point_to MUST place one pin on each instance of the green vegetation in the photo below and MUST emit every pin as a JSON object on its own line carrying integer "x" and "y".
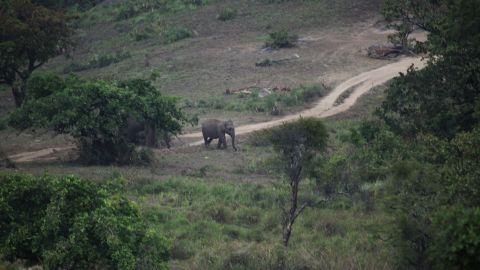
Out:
{"x": 297, "y": 145}
{"x": 281, "y": 39}
{"x": 273, "y": 103}
{"x": 417, "y": 158}
{"x": 96, "y": 114}
{"x": 175, "y": 34}
{"x": 24, "y": 45}
{"x": 131, "y": 8}
{"x": 74, "y": 223}
{"x": 344, "y": 96}
{"x": 218, "y": 224}
{"x": 59, "y": 5}
{"x": 97, "y": 61}
{"x": 226, "y": 14}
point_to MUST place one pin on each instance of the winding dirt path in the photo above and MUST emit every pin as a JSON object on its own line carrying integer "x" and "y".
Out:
{"x": 325, "y": 107}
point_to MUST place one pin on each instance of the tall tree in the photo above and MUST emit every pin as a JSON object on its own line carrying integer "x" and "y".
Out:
{"x": 29, "y": 35}
{"x": 442, "y": 98}
{"x": 296, "y": 144}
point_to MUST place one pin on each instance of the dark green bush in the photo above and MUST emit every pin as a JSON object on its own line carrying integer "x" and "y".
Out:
{"x": 281, "y": 39}
{"x": 175, "y": 34}
{"x": 44, "y": 85}
{"x": 456, "y": 239}
{"x": 226, "y": 14}
{"x": 71, "y": 223}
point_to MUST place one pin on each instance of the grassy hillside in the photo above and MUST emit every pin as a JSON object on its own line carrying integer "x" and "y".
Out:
{"x": 221, "y": 209}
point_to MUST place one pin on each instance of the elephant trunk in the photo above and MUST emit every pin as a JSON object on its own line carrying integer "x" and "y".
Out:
{"x": 233, "y": 140}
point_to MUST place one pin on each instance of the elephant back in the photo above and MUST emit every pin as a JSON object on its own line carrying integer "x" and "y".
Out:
{"x": 211, "y": 127}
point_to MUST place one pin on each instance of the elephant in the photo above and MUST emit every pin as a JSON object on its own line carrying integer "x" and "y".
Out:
{"x": 216, "y": 129}
{"x": 140, "y": 133}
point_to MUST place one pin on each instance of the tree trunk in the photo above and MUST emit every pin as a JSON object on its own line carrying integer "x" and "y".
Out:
{"x": 19, "y": 91}
{"x": 292, "y": 213}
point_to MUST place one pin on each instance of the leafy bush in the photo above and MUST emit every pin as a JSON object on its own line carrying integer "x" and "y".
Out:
{"x": 96, "y": 113}
{"x": 65, "y": 223}
{"x": 281, "y": 39}
{"x": 98, "y": 61}
{"x": 456, "y": 239}
{"x": 175, "y": 34}
{"x": 226, "y": 14}
{"x": 40, "y": 86}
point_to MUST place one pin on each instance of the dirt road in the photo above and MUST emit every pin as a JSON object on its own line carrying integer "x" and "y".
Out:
{"x": 324, "y": 108}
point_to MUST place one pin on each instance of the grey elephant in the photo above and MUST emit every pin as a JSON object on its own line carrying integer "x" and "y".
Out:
{"x": 140, "y": 133}
{"x": 144, "y": 134}
{"x": 216, "y": 129}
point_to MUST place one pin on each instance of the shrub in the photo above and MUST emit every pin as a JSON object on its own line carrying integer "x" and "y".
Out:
{"x": 98, "y": 61}
{"x": 226, "y": 14}
{"x": 175, "y": 34}
{"x": 281, "y": 39}
{"x": 456, "y": 241}
{"x": 131, "y": 8}
{"x": 44, "y": 85}
{"x": 68, "y": 222}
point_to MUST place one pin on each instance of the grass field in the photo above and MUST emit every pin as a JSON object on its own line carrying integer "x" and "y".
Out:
{"x": 222, "y": 209}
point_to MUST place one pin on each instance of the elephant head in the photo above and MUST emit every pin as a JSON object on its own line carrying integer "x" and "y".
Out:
{"x": 230, "y": 130}
{"x": 140, "y": 133}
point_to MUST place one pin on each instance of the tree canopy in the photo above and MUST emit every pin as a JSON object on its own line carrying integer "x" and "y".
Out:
{"x": 30, "y": 34}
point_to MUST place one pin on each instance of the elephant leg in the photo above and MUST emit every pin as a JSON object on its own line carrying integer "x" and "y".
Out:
{"x": 207, "y": 140}
{"x": 222, "y": 141}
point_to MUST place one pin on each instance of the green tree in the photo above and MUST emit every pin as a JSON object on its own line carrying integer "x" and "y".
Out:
{"x": 29, "y": 35}
{"x": 72, "y": 223}
{"x": 296, "y": 144}
{"x": 442, "y": 98}
{"x": 95, "y": 113}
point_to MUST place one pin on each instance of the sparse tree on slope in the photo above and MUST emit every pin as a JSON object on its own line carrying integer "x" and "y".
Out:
{"x": 297, "y": 143}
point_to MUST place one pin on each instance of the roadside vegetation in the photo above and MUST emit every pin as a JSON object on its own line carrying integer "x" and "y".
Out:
{"x": 271, "y": 103}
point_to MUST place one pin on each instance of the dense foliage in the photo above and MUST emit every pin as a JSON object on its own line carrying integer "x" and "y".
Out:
{"x": 24, "y": 43}
{"x": 419, "y": 160}
{"x": 95, "y": 113}
{"x": 71, "y": 223}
